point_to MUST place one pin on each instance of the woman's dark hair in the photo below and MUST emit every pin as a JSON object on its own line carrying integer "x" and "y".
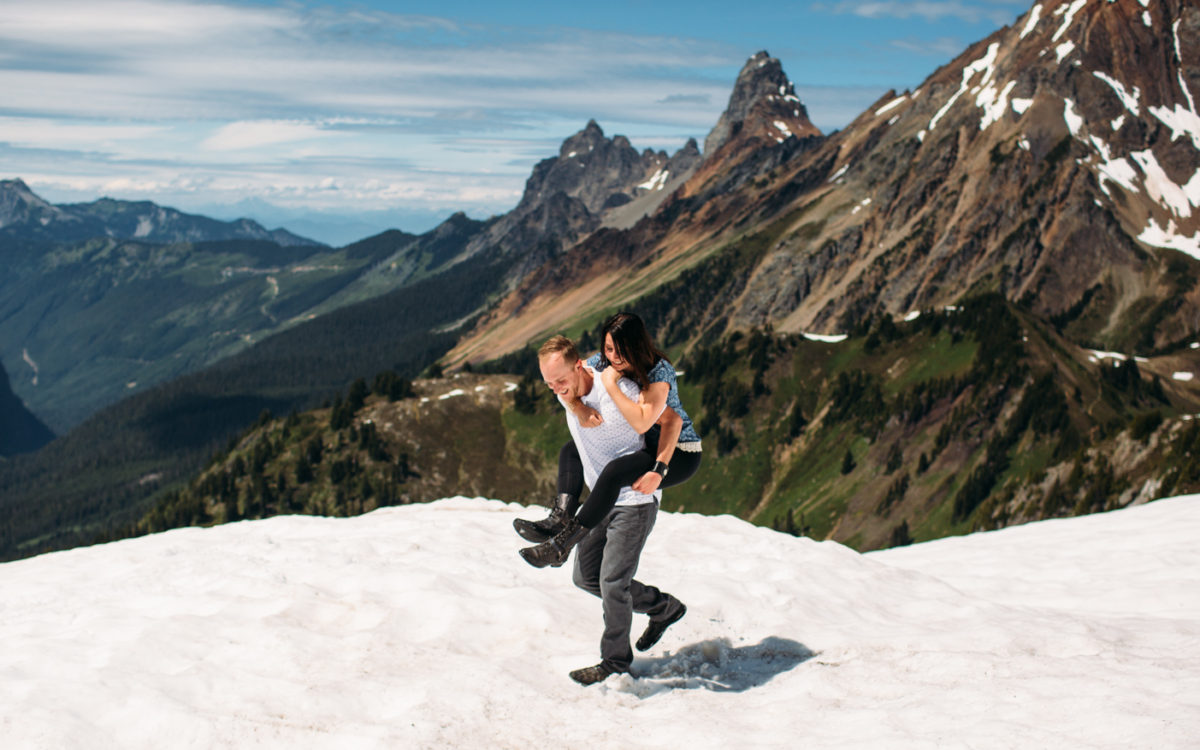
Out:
{"x": 633, "y": 343}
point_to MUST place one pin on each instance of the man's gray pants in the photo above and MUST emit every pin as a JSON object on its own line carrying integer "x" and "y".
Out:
{"x": 605, "y": 563}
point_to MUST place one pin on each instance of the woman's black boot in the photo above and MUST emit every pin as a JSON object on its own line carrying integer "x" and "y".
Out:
{"x": 539, "y": 531}
{"x": 556, "y": 551}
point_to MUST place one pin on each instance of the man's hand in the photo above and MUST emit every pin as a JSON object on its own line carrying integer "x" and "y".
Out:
{"x": 648, "y": 483}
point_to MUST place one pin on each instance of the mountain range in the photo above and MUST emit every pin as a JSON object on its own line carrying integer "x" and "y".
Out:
{"x": 1053, "y": 162}
{"x": 1006, "y": 257}
{"x": 26, "y": 217}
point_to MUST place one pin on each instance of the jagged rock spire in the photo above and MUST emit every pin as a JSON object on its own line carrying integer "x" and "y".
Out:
{"x": 763, "y": 105}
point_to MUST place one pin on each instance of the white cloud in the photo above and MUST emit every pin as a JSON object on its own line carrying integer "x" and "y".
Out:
{"x": 945, "y": 46}
{"x": 44, "y": 132}
{"x": 193, "y": 102}
{"x": 150, "y": 59}
{"x": 930, "y": 10}
{"x": 259, "y": 133}
{"x": 142, "y": 22}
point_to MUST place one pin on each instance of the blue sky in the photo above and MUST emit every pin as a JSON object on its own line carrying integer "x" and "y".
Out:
{"x": 343, "y": 119}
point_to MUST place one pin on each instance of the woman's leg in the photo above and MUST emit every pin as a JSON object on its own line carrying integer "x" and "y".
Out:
{"x": 570, "y": 470}
{"x": 683, "y": 467}
{"x": 620, "y": 472}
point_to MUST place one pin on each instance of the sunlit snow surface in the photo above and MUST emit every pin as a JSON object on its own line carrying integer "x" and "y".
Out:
{"x": 420, "y": 627}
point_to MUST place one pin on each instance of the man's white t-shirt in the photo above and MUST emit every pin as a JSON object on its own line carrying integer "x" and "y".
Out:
{"x": 612, "y": 439}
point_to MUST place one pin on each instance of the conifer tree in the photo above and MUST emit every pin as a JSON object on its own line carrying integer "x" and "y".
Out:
{"x": 895, "y": 459}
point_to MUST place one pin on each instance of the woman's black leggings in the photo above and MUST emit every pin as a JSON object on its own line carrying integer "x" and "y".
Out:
{"x": 620, "y": 472}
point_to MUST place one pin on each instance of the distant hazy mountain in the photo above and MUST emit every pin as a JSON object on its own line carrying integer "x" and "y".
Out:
{"x": 337, "y": 227}
{"x": 24, "y": 216}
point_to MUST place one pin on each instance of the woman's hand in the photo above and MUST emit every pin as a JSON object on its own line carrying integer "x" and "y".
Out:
{"x": 648, "y": 483}
{"x": 609, "y": 377}
{"x": 589, "y": 417}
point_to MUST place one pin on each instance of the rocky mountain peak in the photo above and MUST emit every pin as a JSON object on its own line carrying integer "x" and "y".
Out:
{"x": 20, "y": 205}
{"x": 762, "y": 107}
{"x": 598, "y": 171}
{"x": 15, "y": 185}
{"x": 583, "y": 142}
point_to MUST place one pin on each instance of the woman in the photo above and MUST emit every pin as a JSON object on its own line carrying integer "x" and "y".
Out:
{"x": 672, "y": 453}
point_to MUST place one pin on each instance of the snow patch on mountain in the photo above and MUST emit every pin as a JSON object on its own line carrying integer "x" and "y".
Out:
{"x": 1034, "y": 16}
{"x": 985, "y": 65}
{"x": 1117, "y": 170}
{"x": 891, "y": 105}
{"x": 32, "y": 365}
{"x": 836, "y": 338}
{"x": 1064, "y": 49}
{"x": 1073, "y": 119}
{"x": 1068, "y": 13}
{"x": 657, "y": 181}
{"x": 1179, "y": 72}
{"x": 1182, "y": 122}
{"x": 1169, "y": 237}
{"x": 993, "y": 103}
{"x": 1178, "y": 200}
{"x": 1129, "y": 100}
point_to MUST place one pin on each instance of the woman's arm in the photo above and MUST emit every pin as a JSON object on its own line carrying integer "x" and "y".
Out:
{"x": 671, "y": 425}
{"x": 587, "y": 416}
{"x": 643, "y": 413}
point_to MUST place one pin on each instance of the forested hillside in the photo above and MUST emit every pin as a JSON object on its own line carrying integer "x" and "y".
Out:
{"x": 958, "y": 420}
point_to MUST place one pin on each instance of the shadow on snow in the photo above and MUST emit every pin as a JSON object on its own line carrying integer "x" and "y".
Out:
{"x": 717, "y": 665}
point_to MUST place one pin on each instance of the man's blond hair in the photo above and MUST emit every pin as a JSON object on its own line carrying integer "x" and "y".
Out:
{"x": 559, "y": 345}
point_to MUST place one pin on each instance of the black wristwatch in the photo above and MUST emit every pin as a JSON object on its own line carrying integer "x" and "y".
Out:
{"x": 660, "y": 469}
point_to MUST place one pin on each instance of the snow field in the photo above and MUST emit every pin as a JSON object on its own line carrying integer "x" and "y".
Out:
{"x": 420, "y": 627}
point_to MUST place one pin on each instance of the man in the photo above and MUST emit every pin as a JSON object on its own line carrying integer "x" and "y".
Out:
{"x": 609, "y": 552}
